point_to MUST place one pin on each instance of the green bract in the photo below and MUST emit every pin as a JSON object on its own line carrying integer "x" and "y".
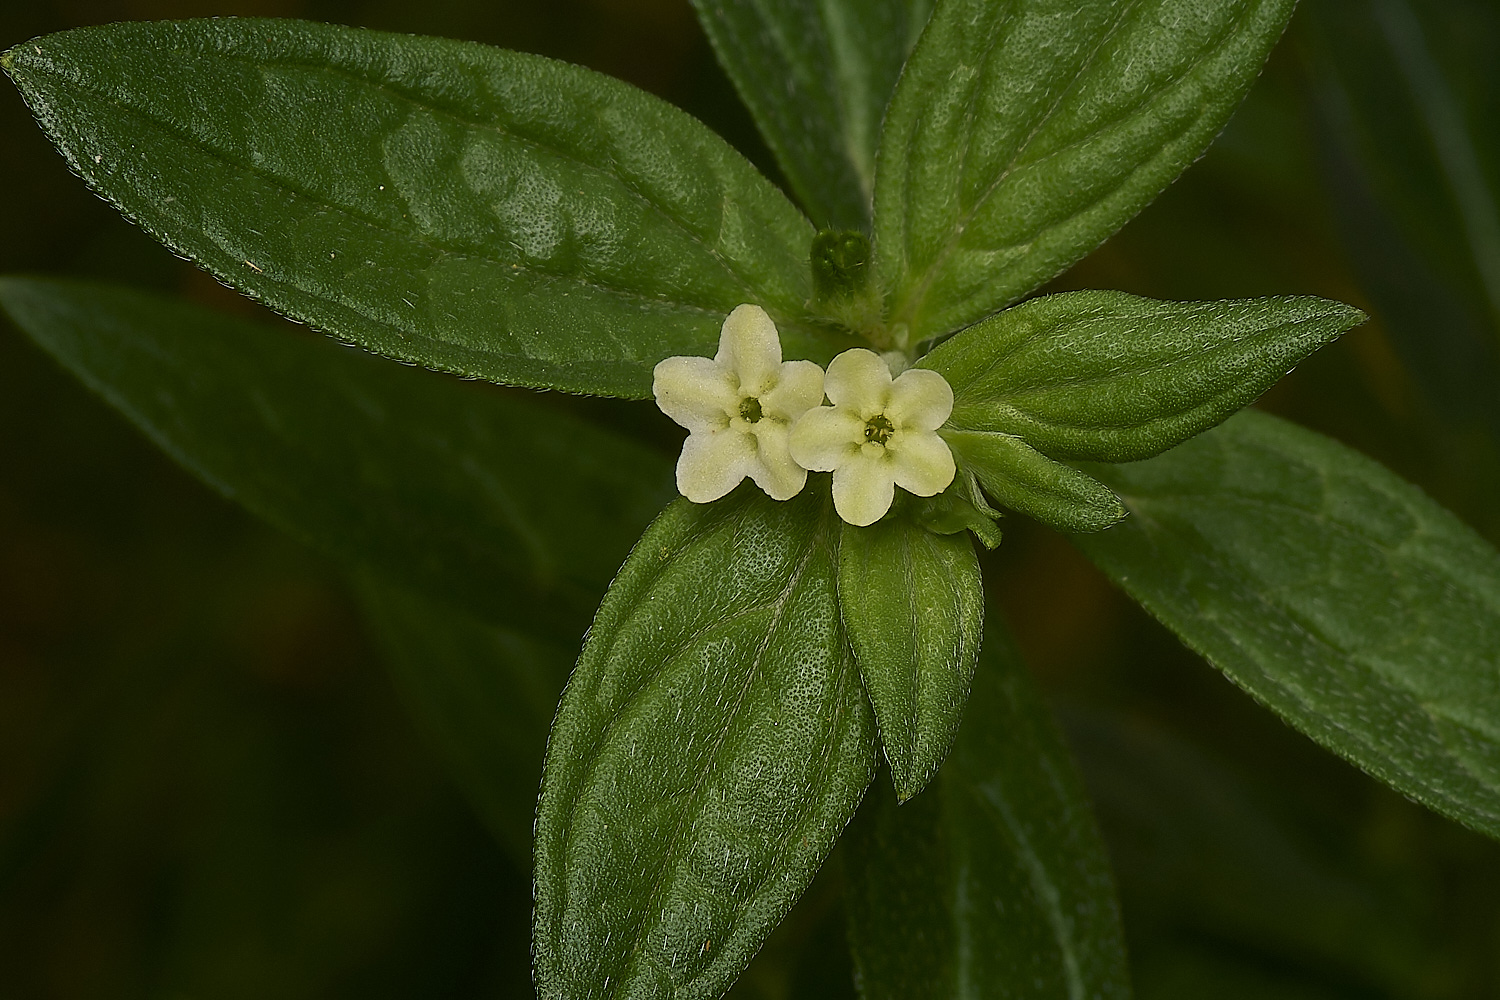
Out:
{"x": 505, "y": 216}
{"x": 913, "y": 604}
{"x": 1109, "y": 377}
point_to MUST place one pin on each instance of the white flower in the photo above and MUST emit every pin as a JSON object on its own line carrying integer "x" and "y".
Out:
{"x": 879, "y": 433}
{"x": 739, "y": 408}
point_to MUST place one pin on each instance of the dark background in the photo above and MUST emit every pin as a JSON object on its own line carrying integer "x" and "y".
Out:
{"x": 208, "y": 787}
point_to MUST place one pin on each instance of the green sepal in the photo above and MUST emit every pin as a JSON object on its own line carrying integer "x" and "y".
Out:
{"x": 1023, "y": 133}
{"x": 490, "y": 213}
{"x": 994, "y": 883}
{"x": 961, "y": 507}
{"x": 1109, "y": 377}
{"x": 1017, "y": 476}
{"x": 710, "y": 747}
{"x": 913, "y": 605}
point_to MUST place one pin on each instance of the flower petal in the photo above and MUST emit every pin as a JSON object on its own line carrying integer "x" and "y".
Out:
{"x": 798, "y": 389}
{"x": 773, "y": 469}
{"x": 921, "y": 399}
{"x": 714, "y": 462}
{"x": 863, "y": 489}
{"x": 826, "y": 437}
{"x": 698, "y": 393}
{"x": 750, "y": 348}
{"x": 859, "y": 380}
{"x": 921, "y": 462}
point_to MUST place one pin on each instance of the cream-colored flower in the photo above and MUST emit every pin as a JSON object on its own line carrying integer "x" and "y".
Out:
{"x": 879, "y": 433}
{"x": 738, "y": 407}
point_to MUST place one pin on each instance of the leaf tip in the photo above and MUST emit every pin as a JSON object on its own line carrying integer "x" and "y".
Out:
{"x": 910, "y": 780}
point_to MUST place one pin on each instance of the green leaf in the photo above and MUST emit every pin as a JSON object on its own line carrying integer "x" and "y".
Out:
{"x": 913, "y": 605}
{"x": 710, "y": 747}
{"x": 466, "y": 208}
{"x": 485, "y": 694}
{"x": 994, "y": 883}
{"x": 1110, "y": 377}
{"x": 817, "y": 75}
{"x": 509, "y": 509}
{"x": 1334, "y": 592}
{"x": 1024, "y": 132}
{"x": 1018, "y": 476}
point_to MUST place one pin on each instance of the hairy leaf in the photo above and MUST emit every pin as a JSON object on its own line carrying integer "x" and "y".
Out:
{"x": 466, "y": 208}
{"x": 1334, "y": 592}
{"x": 1112, "y": 377}
{"x": 817, "y": 75}
{"x": 710, "y": 747}
{"x": 1018, "y": 476}
{"x": 913, "y": 604}
{"x": 1025, "y": 132}
{"x": 994, "y": 883}
{"x": 509, "y": 509}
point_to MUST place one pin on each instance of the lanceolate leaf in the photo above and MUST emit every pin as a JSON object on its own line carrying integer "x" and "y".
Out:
{"x": 486, "y": 693}
{"x": 817, "y": 75}
{"x": 1017, "y": 476}
{"x": 993, "y": 883}
{"x": 1331, "y": 590}
{"x": 1025, "y": 132}
{"x": 1111, "y": 377}
{"x": 913, "y": 604}
{"x": 512, "y": 510}
{"x": 711, "y": 744}
{"x": 467, "y": 208}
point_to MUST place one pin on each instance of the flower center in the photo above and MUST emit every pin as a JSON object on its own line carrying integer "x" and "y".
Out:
{"x": 750, "y": 409}
{"x": 878, "y": 429}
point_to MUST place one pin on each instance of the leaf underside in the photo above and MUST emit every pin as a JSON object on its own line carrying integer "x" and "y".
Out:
{"x": 1334, "y": 592}
{"x": 483, "y": 497}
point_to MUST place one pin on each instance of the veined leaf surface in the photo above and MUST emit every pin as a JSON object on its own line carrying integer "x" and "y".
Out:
{"x": 467, "y": 208}
{"x": 1336, "y": 593}
{"x": 913, "y": 604}
{"x": 1110, "y": 377}
{"x": 710, "y": 747}
{"x": 1024, "y": 132}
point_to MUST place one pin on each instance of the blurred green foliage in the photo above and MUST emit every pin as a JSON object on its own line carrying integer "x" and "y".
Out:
{"x": 209, "y": 786}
